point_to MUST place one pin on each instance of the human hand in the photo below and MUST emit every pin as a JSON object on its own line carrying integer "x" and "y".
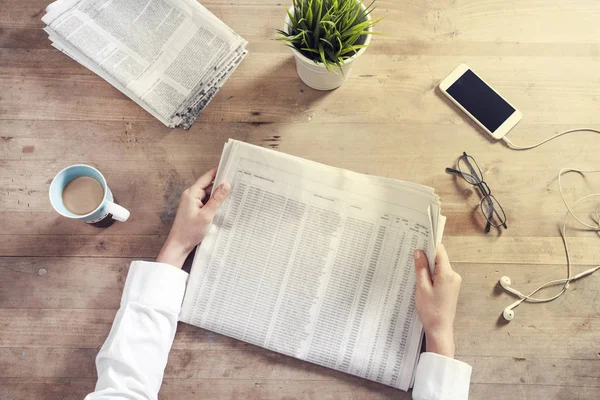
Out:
{"x": 436, "y": 300}
{"x": 193, "y": 219}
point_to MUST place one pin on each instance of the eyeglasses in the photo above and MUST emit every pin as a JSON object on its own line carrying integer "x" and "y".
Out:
{"x": 491, "y": 209}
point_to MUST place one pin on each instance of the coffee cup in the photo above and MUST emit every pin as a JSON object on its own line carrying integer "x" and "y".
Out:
{"x": 80, "y": 192}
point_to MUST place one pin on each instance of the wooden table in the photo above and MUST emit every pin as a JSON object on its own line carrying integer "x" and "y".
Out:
{"x": 61, "y": 281}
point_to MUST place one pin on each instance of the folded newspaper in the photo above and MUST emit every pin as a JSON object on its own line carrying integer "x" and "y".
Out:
{"x": 169, "y": 56}
{"x": 315, "y": 262}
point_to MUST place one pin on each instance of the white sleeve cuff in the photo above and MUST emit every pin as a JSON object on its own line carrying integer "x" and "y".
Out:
{"x": 155, "y": 285}
{"x": 441, "y": 378}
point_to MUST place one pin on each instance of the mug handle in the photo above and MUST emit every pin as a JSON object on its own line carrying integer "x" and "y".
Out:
{"x": 118, "y": 213}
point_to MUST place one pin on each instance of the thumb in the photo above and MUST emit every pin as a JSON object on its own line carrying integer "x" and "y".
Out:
{"x": 422, "y": 270}
{"x": 219, "y": 195}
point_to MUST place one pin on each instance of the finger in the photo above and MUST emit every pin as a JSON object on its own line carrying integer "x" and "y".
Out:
{"x": 212, "y": 205}
{"x": 422, "y": 270}
{"x": 442, "y": 263}
{"x": 206, "y": 179}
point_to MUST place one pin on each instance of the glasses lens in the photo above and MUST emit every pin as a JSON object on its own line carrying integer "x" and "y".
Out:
{"x": 470, "y": 170}
{"x": 493, "y": 211}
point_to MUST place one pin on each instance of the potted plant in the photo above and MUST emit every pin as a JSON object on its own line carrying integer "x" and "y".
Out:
{"x": 326, "y": 37}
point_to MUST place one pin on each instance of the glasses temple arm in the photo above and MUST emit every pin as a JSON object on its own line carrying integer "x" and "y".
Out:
{"x": 500, "y": 219}
{"x": 493, "y": 209}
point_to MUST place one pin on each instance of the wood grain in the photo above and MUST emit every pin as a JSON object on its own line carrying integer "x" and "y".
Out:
{"x": 61, "y": 281}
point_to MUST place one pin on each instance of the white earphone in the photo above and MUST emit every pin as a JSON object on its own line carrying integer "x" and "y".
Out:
{"x": 505, "y": 281}
{"x": 508, "y": 312}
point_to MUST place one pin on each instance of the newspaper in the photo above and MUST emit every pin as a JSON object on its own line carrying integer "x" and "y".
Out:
{"x": 169, "y": 56}
{"x": 315, "y": 262}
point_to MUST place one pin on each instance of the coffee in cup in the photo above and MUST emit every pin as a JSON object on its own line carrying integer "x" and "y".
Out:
{"x": 82, "y": 195}
{"x": 80, "y": 192}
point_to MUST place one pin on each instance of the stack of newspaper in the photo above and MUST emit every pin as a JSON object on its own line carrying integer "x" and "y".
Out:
{"x": 169, "y": 56}
{"x": 315, "y": 262}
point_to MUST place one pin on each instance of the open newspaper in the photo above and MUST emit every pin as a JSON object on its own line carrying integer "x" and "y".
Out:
{"x": 169, "y": 56}
{"x": 315, "y": 262}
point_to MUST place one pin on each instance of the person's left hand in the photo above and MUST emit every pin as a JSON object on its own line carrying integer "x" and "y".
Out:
{"x": 193, "y": 219}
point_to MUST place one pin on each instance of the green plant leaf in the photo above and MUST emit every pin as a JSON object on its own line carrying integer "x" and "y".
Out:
{"x": 309, "y": 50}
{"x": 319, "y": 6}
{"x": 322, "y": 54}
{"x": 291, "y": 17}
{"x": 328, "y": 30}
{"x": 326, "y": 41}
{"x": 352, "y": 49}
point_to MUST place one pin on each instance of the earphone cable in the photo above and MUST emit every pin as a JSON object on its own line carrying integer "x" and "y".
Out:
{"x": 529, "y": 298}
{"x": 513, "y": 146}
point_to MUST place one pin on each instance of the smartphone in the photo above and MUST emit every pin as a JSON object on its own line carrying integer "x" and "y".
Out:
{"x": 479, "y": 101}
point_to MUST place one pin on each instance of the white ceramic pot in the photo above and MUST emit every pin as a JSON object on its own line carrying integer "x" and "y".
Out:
{"x": 316, "y": 75}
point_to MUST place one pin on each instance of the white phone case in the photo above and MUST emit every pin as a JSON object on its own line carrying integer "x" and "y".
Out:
{"x": 502, "y": 129}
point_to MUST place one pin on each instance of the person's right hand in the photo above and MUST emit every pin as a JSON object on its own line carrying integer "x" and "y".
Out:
{"x": 195, "y": 214}
{"x": 436, "y": 300}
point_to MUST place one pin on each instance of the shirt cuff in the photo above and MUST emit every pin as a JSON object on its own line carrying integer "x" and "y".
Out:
{"x": 440, "y": 377}
{"x": 155, "y": 285}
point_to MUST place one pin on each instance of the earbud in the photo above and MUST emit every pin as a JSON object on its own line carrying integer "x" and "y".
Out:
{"x": 508, "y": 312}
{"x": 505, "y": 282}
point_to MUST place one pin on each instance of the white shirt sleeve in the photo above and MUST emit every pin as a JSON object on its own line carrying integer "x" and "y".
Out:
{"x": 441, "y": 378}
{"x": 132, "y": 360}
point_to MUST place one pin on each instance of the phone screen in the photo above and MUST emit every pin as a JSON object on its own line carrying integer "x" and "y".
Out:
{"x": 480, "y": 100}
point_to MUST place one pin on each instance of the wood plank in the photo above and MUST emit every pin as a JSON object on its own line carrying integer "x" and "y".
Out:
{"x": 148, "y": 222}
{"x": 20, "y": 48}
{"x": 155, "y": 165}
{"x": 154, "y": 186}
{"x": 62, "y": 283}
{"x": 96, "y": 283}
{"x": 99, "y": 245}
{"x": 89, "y": 283}
{"x": 534, "y": 334}
{"x": 24, "y": 62}
{"x": 235, "y": 389}
{"x": 462, "y": 249}
{"x": 532, "y": 392}
{"x": 390, "y": 143}
{"x": 72, "y": 301}
{"x": 257, "y": 363}
{"x": 572, "y": 20}
{"x": 254, "y": 389}
{"x": 267, "y": 84}
{"x": 27, "y": 38}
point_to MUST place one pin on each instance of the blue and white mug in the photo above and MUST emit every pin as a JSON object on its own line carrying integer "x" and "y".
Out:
{"x": 106, "y": 210}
